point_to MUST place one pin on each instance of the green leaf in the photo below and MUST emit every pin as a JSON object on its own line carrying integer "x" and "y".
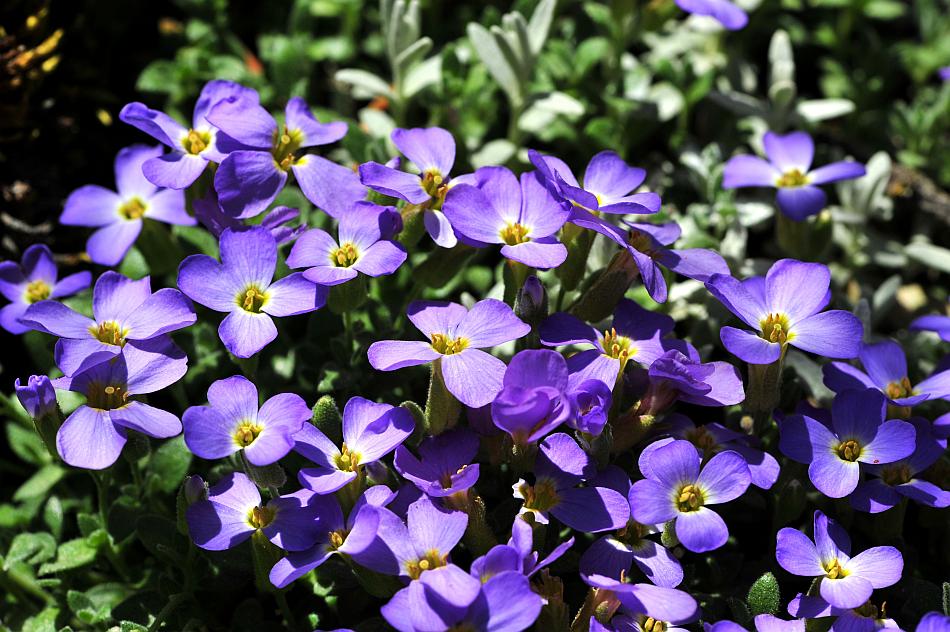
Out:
{"x": 764, "y": 596}
{"x": 30, "y": 548}
{"x": 158, "y": 76}
{"x": 169, "y": 465}
{"x": 26, "y": 444}
{"x": 45, "y": 621}
{"x": 40, "y": 483}
{"x": 134, "y": 265}
{"x": 495, "y": 61}
{"x": 930, "y": 255}
{"x": 365, "y": 84}
{"x": 422, "y": 76}
{"x": 823, "y": 109}
{"x": 540, "y": 25}
{"x": 71, "y": 554}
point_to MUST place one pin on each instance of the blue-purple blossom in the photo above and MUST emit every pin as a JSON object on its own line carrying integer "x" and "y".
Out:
{"x": 723, "y": 11}
{"x": 560, "y": 467}
{"x": 785, "y": 308}
{"x": 210, "y": 215}
{"x": 590, "y": 402}
{"x": 636, "y": 334}
{"x": 857, "y": 435}
{"x": 360, "y": 250}
{"x": 352, "y": 537}
{"x": 370, "y": 432}
{"x": 678, "y": 488}
{"x": 762, "y": 623}
{"x": 233, "y": 421}
{"x": 521, "y": 216}
{"x": 934, "y": 621}
{"x": 242, "y": 286}
{"x": 234, "y": 511}
{"x": 892, "y": 482}
{"x": 532, "y": 401}
{"x": 93, "y": 436}
{"x": 456, "y": 337}
{"x": 448, "y": 598}
{"x": 885, "y": 369}
{"x": 936, "y": 323}
{"x": 117, "y": 215}
{"x": 444, "y": 466}
{"x": 644, "y": 605}
{"x": 432, "y": 151}
{"x": 677, "y": 376}
{"x": 32, "y": 280}
{"x": 845, "y": 581}
{"x": 37, "y": 396}
{"x": 125, "y": 312}
{"x": 864, "y": 618}
{"x": 192, "y": 148}
{"x": 250, "y": 177}
{"x": 788, "y": 169}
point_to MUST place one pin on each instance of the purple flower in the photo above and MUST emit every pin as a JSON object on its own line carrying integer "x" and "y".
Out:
{"x": 532, "y": 400}
{"x": 456, "y": 337}
{"x": 763, "y": 623}
{"x": 118, "y": 216}
{"x": 92, "y": 437}
{"x": 897, "y": 480}
{"x": 209, "y": 213}
{"x": 444, "y": 466}
{"x": 450, "y": 599}
{"x": 944, "y": 73}
{"x": 420, "y": 545}
{"x": 233, "y": 512}
{"x": 522, "y": 541}
{"x": 934, "y": 621}
{"x": 846, "y": 582}
{"x": 936, "y": 323}
{"x": 31, "y": 281}
{"x": 192, "y": 148}
{"x": 857, "y": 434}
{"x": 523, "y": 217}
{"x": 335, "y": 536}
{"x": 636, "y": 334}
{"x": 590, "y": 402}
{"x": 648, "y": 244}
{"x": 676, "y": 376}
{"x": 241, "y": 285}
{"x": 249, "y": 179}
{"x": 712, "y": 438}
{"x": 723, "y": 11}
{"x": 885, "y": 369}
{"x": 646, "y": 605}
{"x": 234, "y": 422}
{"x": 608, "y": 182}
{"x": 125, "y": 312}
{"x": 360, "y": 250}
{"x": 38, "y": 397}
{"x": 370, "y": 432}
{"x": 677, "y": 488}
{"x": 864, "y": 618}
{"x": 432, "y": 151}
{"x": 788, "y": 169}
{"x": 561, "y": 466}
{"x": 784, "y": 309}
{"x": 613, "y": 555}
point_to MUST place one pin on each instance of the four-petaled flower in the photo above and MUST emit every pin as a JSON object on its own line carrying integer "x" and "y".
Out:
{"x": 34, "y": 279}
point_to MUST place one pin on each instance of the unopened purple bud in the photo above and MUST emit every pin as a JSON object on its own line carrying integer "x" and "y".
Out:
{"x": 38, "y": 396}
{"x": 531, "y": 304}
{"x": 195, "y": 489}
{"x": 390, "y": 223}
{"x": 377, "y": 471}
{"x": 590, "y": 403}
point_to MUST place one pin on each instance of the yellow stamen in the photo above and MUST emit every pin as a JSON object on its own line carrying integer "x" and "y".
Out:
{"x": 431, "y": 560}
{"x": 196, "y": 142}
{"x": 849, "y": 450}
{"x": 348, "y": 461}
{"x": 690, "y": 498}
{"x": 792, "y": 178}
{"x": 775, "y": 328}
{"x": 432, "y": 182}
{"x": 109, "y": 332}
{"x": 448, "y": 346}
{"x": 514, "y": 234}
{"x": 132, "y": 209}
{"x": 260, "y": 517}
{"x": 107, "y": 397}
{"x": 344, "y": 256}
{"x": 246, "y": 433}
{"x": 252, "y": 299}
{"x": 617, "y": 346}
{"x": 903, "y": 388}
{"x": 37, "y": 291}
{"x": 833, "y": 570}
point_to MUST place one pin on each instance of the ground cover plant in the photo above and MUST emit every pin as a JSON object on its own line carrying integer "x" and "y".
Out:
{"x": 554, "y": 315}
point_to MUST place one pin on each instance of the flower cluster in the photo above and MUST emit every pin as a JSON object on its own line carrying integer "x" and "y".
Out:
{"x": 623, "y": 453}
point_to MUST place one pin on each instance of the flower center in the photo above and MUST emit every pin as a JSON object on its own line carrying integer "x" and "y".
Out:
{"x": 246, "y": 433}
{"x": 107, "y": 397}
{"x": 833, "y": 570}
{"x": 895, "y": 474}
{"x": 196, "y": 142}
{"x": 775, "y": 328}
{"x": 109, "y": 332}
{"x": 632, "y": 534}
{"x": 348, "y": 461}
{"x": 703, "y": 440}
{"x": 260, "y": 517}
{"x": 689, "y": 498}
{"x": 514, "y": 234}
{"x": 37, "y": 291}
{"x": 896, "y": 390}
{"x": 432, "y": 182}
{"x": 649, "y": 624}
{"x": 792, "y": 178}
{"x": 286, "y": 142}
{"x": 344, "y": 256}
{"x": 446, "y": 479}
{"x": 252, "y": 299}
{"x": 541, "y": 496}
{"x": 448, "y": 346}
{"x": 432, "y": 559}
{"x": 617, "y": 346}
{"x": 337, "y": 538}
{"x": 870, "y": 611}
{"x": 849, "y": 450}
{"x": 132, "y": 209}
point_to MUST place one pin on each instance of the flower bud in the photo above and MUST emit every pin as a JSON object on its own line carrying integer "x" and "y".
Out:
{"x": 327, "y": 419}
{"x": 38, "y": 397}
{"x": 531, "y": 303}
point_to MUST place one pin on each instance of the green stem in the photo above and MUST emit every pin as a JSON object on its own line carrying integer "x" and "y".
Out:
{"x": 285, "y": 611}
{"x": 111, "y": 550}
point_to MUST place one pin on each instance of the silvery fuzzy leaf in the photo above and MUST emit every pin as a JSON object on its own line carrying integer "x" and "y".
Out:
{"x": 422, "y": 76}
{"x": 491, "y": 55}
{"x": 817, "y": 110}
{"x": 365, "y": 84}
